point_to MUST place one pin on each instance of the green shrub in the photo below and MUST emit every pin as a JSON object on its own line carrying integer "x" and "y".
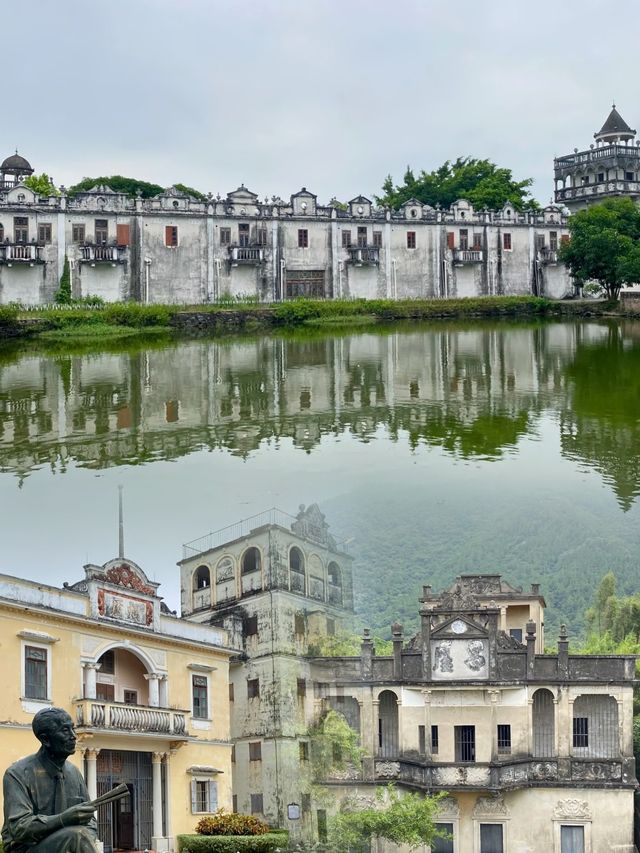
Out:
{"x": 8, "y": 319}
{"x": 63, "y": 293}
{"x": 136, "y": 315}
{"x": 231, "y": 823}
{"x": 269, "y": 843}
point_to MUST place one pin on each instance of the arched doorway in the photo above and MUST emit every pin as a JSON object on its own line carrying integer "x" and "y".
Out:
{"x": 387, "y": 724}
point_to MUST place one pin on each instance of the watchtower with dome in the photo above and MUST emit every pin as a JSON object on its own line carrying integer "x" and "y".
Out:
{"x": 609, "y": 168}
{"x": 14, "y": 170}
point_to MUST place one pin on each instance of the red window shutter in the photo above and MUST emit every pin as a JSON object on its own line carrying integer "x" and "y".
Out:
{"x": 564, "y": 239}
{"x": 168, "y": 232}
{"x": 122, "y": 235}
{"x": 451, "y": 240}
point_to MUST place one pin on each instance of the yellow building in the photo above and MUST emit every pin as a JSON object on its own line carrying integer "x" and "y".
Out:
{"x": 148, "y": 692}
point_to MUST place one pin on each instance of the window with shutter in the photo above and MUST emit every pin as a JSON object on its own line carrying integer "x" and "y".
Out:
{"x": 44, "y": 232}
{"x": 35, "y": 673}
{"x": 225, "y": 236}
{"x": 411, "y": 239}
{"x": 346, "y": 238}
{"x": 78, "y": 234}
{"x": 200, "y": 703}
{"x": 506, "y": 241}
{"x": 464, "y": 239}
{"x": 101, "y": 231}
{"x": 451, "y": 240}
{"x": 171, "y": 236}
{"x": 377, "y": 238}
{"x": 213, "y": 796}
{"x": 123, "y": 234}
{"x": 303, "y": 238}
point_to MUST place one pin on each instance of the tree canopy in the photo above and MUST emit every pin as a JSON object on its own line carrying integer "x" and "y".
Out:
{"x": 605, "y": 245}
{"x": 41, "y": 184}
{"x": 403, "y": 819}
{"x": 481, "y": 182}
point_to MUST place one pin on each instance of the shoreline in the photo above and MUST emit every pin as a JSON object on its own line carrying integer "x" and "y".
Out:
{"x": 117, "y": 321}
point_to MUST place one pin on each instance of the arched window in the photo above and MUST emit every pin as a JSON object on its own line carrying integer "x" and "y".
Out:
{"x": 250, "y": 561}
{"x": 349, "y": 708}
{"x": 335, "y": 583}
{"x": 595, "y": 727}
{"x": 202, "y": 578}
{"x": 544, "y": 738}
{"x": 316, "y": 578}
{"x": 296, "y": 570}
{"x": 387, "y": 739}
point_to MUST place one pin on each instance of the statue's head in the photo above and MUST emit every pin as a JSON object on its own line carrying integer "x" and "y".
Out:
{"x": 54, "y": 729}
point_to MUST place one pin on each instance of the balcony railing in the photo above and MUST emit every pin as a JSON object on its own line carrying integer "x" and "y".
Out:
{"x": 20, "y": 253}
{"x": 548, "y": 256}
{"x": 599, "y": 188}
{"x": 114, "y": 716}
{"x": 516, "y": 773}
{"x": 297, "y": 582}
{"x": 94, "y": 254}
{"x": 246, "y": 255}
{"x": 364, "y": 255}
{"x": 202, "y": 598}
{"x": 334, "y": 594}
{"x": 467, "y": 256}
{"x": 597, "y": 154}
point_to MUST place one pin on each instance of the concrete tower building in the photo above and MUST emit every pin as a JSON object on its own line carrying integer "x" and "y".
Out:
{"x": 609, "y": 168}
{"x": 277, "y": 583}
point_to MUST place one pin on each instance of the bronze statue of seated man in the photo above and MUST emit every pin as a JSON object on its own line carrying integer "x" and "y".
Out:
{"x": 46, "y": 802}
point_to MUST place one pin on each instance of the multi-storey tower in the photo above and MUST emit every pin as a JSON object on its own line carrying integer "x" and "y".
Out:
{"x": 278, "y": 583}
{"x": 609, "y": 168}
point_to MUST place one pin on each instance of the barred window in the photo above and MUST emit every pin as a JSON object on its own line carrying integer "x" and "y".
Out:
{"x": 580, "y": 731}
{"x": 434, "y": 739}
{"x": 204, "y": 796}
{"x": 504, "y": 738}
{"x": 303, "y": 241}
{"x": 35, "y": 673}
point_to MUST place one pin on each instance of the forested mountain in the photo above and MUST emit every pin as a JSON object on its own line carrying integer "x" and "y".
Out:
{"x": 406, "y": 537}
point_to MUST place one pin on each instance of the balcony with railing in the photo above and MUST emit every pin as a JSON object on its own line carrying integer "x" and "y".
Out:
{"x": 597, "y": 155}
{"x": 516, "y": 772}
{"x": 95, "y": 254}
{"x": 364, "y": 255}
{"x": 246, "y": 255}
{"x": 119, "y": 717}
{"x": 547, "y": 256}
{"x": 20, "y": 253}
{"x": 467, "y": 256}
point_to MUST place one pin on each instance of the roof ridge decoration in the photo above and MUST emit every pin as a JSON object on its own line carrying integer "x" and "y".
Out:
{"x": 310, "y": 524}
{"x": 124, "y": 573}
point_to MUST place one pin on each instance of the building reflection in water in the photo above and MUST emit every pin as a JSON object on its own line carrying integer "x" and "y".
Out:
{"x": 473, "y": 391}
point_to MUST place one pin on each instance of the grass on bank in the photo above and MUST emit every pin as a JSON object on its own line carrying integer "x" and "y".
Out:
{"x": 99, "y": 322}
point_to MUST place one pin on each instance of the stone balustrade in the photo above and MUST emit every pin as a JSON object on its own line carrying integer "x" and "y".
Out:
{"x": 115, "y": 716}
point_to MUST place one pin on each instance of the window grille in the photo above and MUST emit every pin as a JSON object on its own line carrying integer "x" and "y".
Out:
{"x": 491, "y": 838}
{"x": 465, "y": 743}
{"x": 35, "y": 673}
{"x": 388, "y": 724}
{"x": 303, "y": 238}
{"x": 434, "y": 739}
{"x": 504, "y": 738}
{"x": 130, "y": 697}
{"x": 543, "y": 724}
{"x": 411, "y": 239}
{"x": 572, "y": 839}
{"x": 506, "y": 241}
{"x": 303, "y": 747}
{"x": 595, "y": 727}
{"x": 443, "y": 844}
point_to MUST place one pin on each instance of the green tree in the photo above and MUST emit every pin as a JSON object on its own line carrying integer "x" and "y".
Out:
{"x": 344, "y": 644}
{"x": 403, "y": 819}
{"x": 481, "y": 182}
{"x": 63, "y": 293}
{"x": 190, "y": 191}
{"x": 41, "y": 184}
{"x": 118, "y": 183}
{"x": 605, "y": 245}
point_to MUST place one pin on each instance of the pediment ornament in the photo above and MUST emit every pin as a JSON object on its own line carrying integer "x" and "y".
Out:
{"x": 448, "y": 807}
{"x": 571, "y": 809}
{"x": 494, "y": 806}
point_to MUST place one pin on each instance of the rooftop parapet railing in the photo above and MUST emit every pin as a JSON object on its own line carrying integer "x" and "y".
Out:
{"x": 236, "y": 531}
{"x": 595, "y": 154}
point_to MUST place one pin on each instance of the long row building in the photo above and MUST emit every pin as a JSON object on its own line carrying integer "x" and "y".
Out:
{"x": 175, "y": 248}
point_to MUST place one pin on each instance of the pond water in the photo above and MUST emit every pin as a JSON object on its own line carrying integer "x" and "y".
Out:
{"x": 432, "y": 450}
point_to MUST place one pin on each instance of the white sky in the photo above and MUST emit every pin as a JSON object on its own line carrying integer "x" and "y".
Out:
{"x": 329, "y": 94}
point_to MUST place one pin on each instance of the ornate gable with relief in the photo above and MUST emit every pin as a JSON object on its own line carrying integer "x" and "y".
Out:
{"x": 459, "y": 649}
{"x": 310, "y": 524}
{"x": 122, "y": 592}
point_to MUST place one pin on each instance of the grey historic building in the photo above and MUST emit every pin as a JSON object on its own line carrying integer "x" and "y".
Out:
{"x": 609, "y": 168}
{"x": 277, "y": 583}
{"x": 175, "y": 248}
{"x": 534, "y": 749}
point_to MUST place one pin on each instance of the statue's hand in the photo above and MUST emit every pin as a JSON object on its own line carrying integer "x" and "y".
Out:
{"x": 77, "y": 815}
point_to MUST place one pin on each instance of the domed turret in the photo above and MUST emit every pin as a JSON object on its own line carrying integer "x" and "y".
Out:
{"x": 14, "y": 169}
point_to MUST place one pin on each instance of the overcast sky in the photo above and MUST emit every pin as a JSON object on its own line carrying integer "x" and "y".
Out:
{"x": 329, "y": 94}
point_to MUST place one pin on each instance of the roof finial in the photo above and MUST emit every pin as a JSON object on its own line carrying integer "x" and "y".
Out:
{"x": 120, "y": 525}
{"x": 613, "y": 105}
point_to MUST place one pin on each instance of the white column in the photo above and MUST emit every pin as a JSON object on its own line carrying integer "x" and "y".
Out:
{"x": 91, "y": 756}
{"x": 154, "y": 694}
{"x": 90, "y": 673}
{"x": 163, "y": 692}
{"x": 167, "y": 792}
{"x": 503, "y": 618}
{"x": 156, "y": 766}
